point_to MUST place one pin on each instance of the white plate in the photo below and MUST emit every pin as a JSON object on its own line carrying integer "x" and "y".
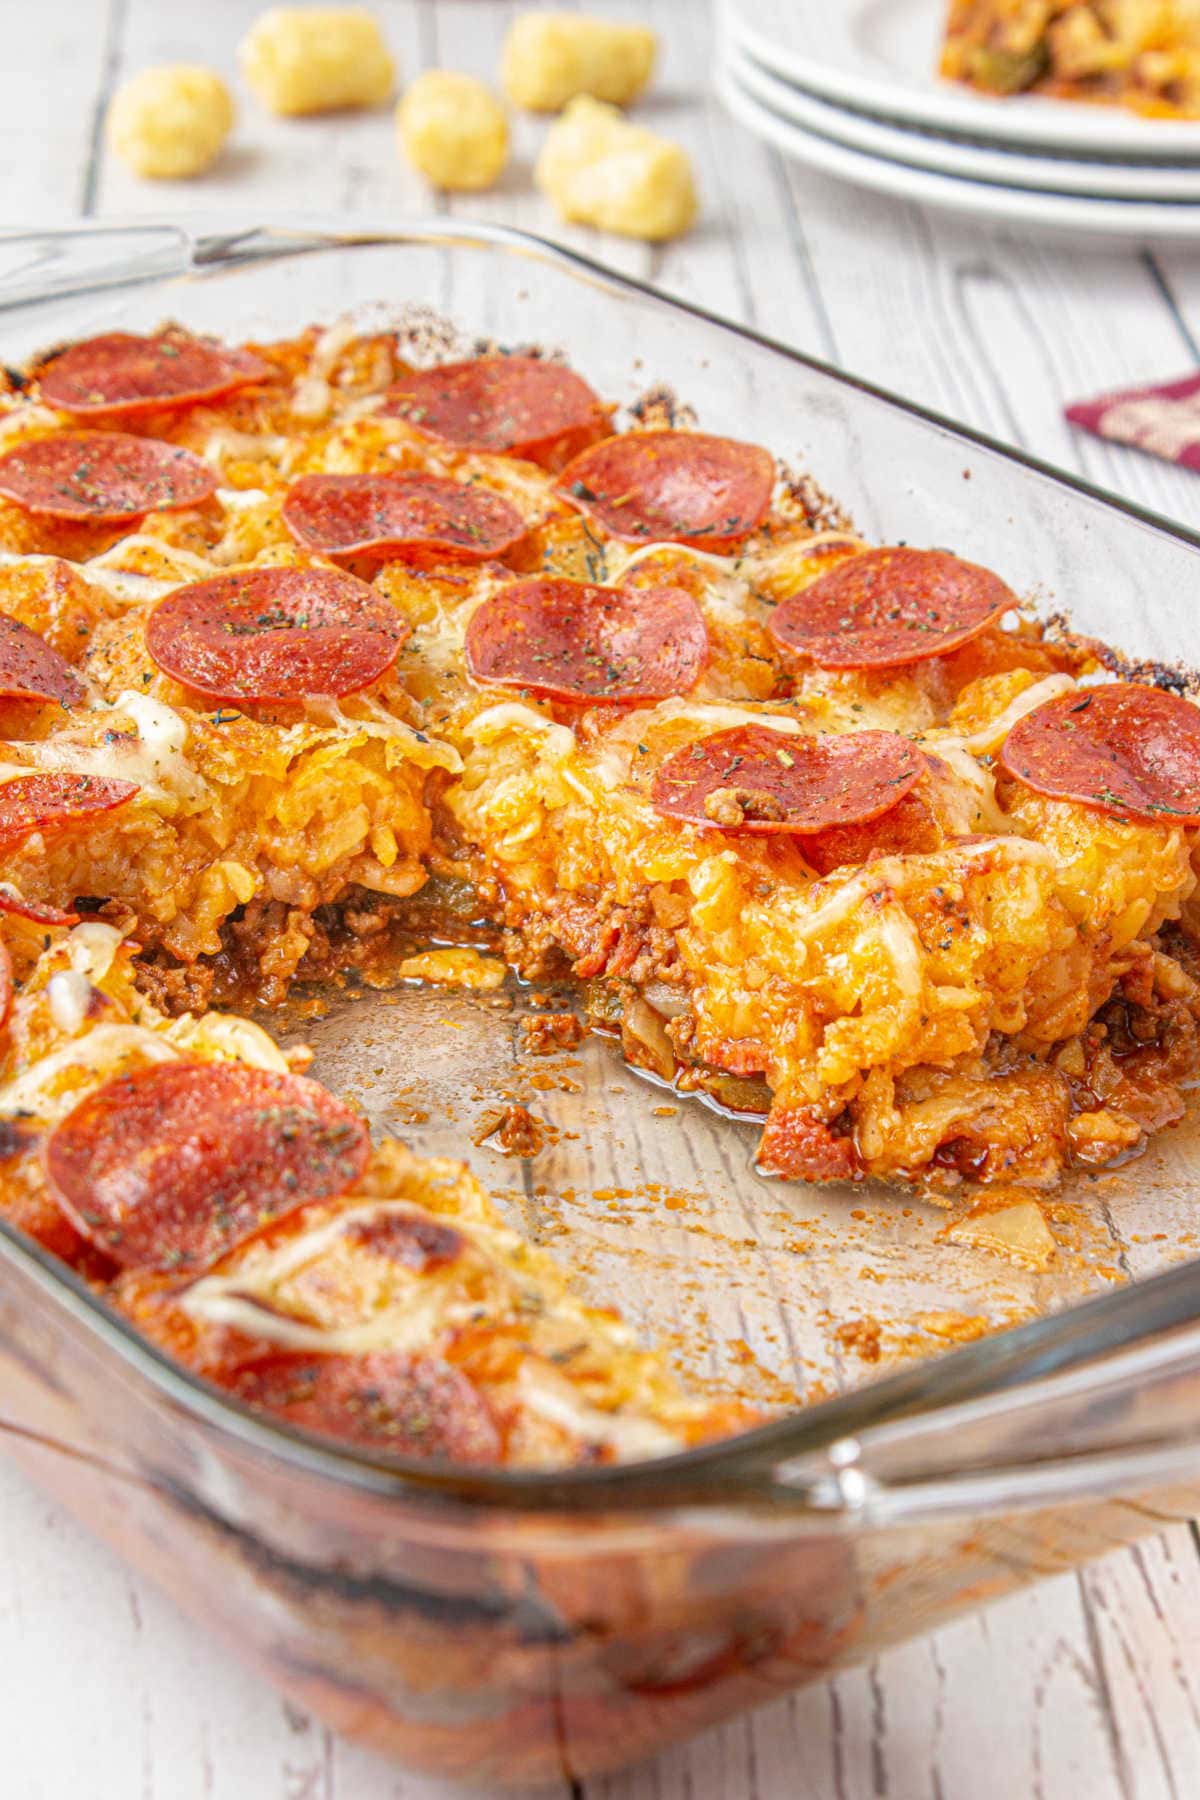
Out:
{"x": 1061, "y": 174}
{"x": 881, "y": 56}
{"x": 1142, "y": 220}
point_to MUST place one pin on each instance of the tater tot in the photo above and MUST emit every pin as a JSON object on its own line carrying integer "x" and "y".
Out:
{"x": 600, "y": 170}
{"x": 551, "y": 58}
{"x": 170, "y": 123}
{"x": 300, "y": 59}
{"x": 453, "y": 129}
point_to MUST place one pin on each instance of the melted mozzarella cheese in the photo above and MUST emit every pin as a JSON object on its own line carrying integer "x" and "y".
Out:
{"x": 224, "y": 441}
{"x": 442, "y": 638}
{"x": 417, "y": 1322}
{"x": 154, "y": 760}
{"x": 721, "y": 715}
{"x": 723, "y": 565}
{"x": 988, "y": 738}
{"x": 737, "y": 561}
{"x": 70, "y": 995}
{"x": 25, "y": 419}
{"x": 240, "y": 499}
{"x": 608, "y": 761}
{"x": 418, "y": 746}
{"x": 163, "y": 731}
{"x": 898, "y": 936}
{"x": 194, "y": 567}
{"x": 124, "y": 585}
{"x": 1014, "y": 850}
{"x": 713, "y": 715}
{"x": 848, "y": 897}
{"x": 974, "y": 780}
{"x": 101, "y": 1052}
{"x": 312, "y": 395}
{"x": 222, "y": 1037}
{"x": 121, "y": 584}
{"x": 891, "y": 874}
{"x": 513, "y": 715}
{"x": 246, "y": 1298}
{"x": 553, "y": 1398}
{"x": 427, "y": 1315}
{"x": 91, "y": 947}
{"x": 726, "y": 596}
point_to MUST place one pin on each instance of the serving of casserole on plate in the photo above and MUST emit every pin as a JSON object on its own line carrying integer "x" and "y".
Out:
{"x": 482, "y": 718}
{"x": 1144, "y": 54}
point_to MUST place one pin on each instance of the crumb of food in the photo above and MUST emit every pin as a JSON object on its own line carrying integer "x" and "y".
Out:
{"x": 513, "y": 1130}
{"x": 453, "y": 130}
{"x": 598, "y": 169}
{"x": 661, "y": 409}
{"x": 860, "y": 1337}
{"x": 1014, "y": 1228}
{"x": 464, "y": 968}
{"x": 547, "y": 1033}
{"x": 734, "y": 806}
{"x": 170, "y": 123}
{"x": 550, "y": 58}
{"x": 818, "y": 509}
{"x": 300, "y": 59}
{"x": 953, "y": 1327}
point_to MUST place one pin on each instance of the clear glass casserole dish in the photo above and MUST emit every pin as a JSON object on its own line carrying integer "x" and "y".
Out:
{"x": 518, "y": 1627}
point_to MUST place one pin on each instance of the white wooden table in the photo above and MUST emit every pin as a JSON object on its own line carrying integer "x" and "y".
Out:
{"x": 1087, "y": 1686}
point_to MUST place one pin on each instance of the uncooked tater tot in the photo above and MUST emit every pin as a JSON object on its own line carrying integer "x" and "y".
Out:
{"x": 550, "y": 58}
{"x": 169, "y": 123}
{"x": 300, "y": 59}
{"x": 453, "y": 129}
{"x": 600, "y": 170}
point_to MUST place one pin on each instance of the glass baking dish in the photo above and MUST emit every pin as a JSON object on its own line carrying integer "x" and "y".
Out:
{"x": 518, "y": 1627}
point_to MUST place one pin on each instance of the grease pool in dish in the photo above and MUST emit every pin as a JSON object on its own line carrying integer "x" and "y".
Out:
{"x": 304, "y": 639}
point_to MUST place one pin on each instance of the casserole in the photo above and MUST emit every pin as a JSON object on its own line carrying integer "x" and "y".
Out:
{"x": 515, "y": 1627}
{"x": 1134, "y": 55}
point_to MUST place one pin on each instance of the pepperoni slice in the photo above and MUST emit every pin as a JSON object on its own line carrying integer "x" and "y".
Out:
{"x": 910, "y": 828}
{"x": 31, "y": 669}
{"x": 275, "y": 634}
{"x": 569, "y": 640}
{"x": 1132, "y": 752}
{"x": 414, "y": 518}
{"x": 889, "y": 607}
{"x": 673, "y": 486}
{"x": 514, "y": 404}
{"x": 103, "y": 477}
{"x": 53, "y": 803}
{"x": 119, "y": 374}
{"x": 175, "y": 1164}
{"x": 753, "y": 779}
{"x": 13, "y": 902}
{"x": 385, "y": 1400}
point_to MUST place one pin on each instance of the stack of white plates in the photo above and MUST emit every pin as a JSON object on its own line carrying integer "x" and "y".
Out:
{"x": 851, "y": 87}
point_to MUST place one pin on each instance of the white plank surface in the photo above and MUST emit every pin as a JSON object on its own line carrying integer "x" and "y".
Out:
{"x": 1087, "y": 1686}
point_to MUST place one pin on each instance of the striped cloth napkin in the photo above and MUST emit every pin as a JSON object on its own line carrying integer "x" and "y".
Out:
{"x": 1162, "y": 420}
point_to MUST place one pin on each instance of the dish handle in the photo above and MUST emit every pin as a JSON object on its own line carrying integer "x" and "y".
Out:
{"x": 37, "y": 266}
{"x": 1100, "y": 1401}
